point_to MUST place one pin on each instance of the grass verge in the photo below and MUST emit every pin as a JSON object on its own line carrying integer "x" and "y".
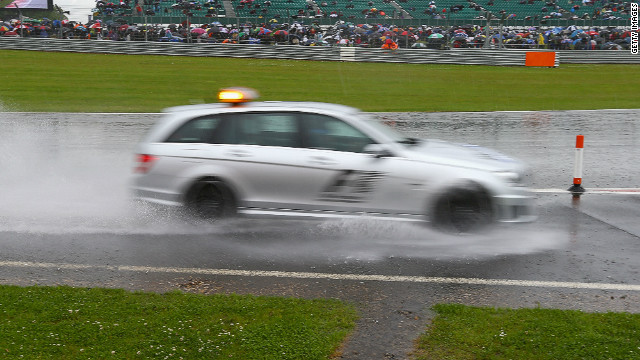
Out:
{"x": 462, "y": 332}
{"x": 77, "y": 323}
{"x": 72, "y": 82}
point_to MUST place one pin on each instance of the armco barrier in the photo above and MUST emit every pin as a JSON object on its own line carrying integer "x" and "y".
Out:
{"x": 510, "y": 57}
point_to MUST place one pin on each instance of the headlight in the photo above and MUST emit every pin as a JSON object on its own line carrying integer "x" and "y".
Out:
{"x": 512, "y": 178}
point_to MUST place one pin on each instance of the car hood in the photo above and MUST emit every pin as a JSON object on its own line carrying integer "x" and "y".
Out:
{"x": 463, "y": 155}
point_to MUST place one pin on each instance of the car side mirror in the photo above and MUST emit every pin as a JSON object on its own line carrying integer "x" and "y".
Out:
{"x": 378, "y": 150}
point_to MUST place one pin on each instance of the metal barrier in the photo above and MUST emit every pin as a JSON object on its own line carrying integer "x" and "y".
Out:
{"x": 507, "y": 57}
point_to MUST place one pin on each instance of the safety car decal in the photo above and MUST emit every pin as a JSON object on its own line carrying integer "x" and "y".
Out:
{"x": 352, "y": 186}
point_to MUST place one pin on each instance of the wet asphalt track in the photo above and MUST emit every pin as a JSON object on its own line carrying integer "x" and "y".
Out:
{"x": 65, "y": 218}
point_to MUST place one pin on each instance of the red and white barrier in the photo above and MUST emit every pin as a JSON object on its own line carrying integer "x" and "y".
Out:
{"x": 577, "y": 168}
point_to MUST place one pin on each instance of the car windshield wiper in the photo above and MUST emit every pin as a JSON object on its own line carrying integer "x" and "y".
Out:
{"x": 410, "y": 141}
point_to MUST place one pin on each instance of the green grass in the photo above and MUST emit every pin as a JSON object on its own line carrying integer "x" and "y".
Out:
{"x": 461, "y": 332}
{"x": 66, "y": 323}
{"x": 71, "y": 82}
{"x": 77, "y": 323}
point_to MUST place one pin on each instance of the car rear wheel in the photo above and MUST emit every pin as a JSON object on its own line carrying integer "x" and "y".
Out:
{"x": 211, "y": 200}
{"x": 463, "y": 210}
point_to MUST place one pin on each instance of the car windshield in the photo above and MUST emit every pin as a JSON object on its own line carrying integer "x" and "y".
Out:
{"x": 389, "y": 131}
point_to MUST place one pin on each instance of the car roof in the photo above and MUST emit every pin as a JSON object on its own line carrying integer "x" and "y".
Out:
{"x": 266, "y": 105}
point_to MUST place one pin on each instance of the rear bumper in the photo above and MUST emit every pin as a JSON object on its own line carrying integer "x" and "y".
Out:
{"x": 157, "y": 197}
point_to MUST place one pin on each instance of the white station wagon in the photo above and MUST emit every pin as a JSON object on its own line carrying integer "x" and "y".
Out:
{"x": 318, "y": 160}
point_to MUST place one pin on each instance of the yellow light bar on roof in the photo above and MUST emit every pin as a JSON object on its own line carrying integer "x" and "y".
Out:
{"x": 237, "y": 95}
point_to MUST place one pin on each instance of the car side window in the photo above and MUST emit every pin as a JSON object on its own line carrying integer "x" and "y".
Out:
{"x": 263, "y": 128}
{"x": 326, "y": 132}
{"x": 198, "y": 130}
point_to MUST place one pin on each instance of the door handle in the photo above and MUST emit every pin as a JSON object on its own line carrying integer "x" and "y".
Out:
{"x": 239, "y": 153}
{"x": 324, "y": 161}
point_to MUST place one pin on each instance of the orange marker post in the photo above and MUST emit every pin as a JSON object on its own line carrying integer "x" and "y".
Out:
{"x": 577, "y": 168}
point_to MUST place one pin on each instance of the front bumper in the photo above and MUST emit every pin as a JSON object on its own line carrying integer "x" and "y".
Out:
{"x": 515, "y": 208}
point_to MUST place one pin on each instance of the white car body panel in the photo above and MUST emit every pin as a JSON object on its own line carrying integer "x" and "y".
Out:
{"x": 311, "y": 182}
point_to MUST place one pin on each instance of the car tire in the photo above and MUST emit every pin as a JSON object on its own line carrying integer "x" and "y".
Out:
{"x": 210, "y": 200}
{"x": 464, "y": 209}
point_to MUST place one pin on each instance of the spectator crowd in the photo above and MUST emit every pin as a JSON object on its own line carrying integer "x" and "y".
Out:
{"x": 340, "y": 34}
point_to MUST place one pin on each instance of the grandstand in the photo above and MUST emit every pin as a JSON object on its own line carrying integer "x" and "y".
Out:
{"x": 442, "y": 9}
{"x": 412, "y": 12}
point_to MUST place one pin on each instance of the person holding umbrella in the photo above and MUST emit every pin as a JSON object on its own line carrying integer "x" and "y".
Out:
{"x": 389, "y": 45}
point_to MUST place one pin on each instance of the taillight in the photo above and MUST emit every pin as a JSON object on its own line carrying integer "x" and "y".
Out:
{"x": 144, "y": 163}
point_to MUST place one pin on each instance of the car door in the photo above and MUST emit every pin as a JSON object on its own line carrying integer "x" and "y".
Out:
{"x": 261, "y": 153}
{"x": 345, "y": 178}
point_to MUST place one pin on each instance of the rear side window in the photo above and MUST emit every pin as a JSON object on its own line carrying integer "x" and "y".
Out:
{"x": 198, "y": 130}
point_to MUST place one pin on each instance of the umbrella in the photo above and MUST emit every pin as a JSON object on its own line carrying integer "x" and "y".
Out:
{"x": 576, "y": 32}
{"x": 612, "y": 46}
{"x": 281, "y": 33}
{"x": 264, "y": 31}
{"x": 4, "y": 28}
{"x": 198, "y": 31}
{"x": 123, "y": 27}
{"x": 436, "y": 36}
{"x": 96, "y": 26}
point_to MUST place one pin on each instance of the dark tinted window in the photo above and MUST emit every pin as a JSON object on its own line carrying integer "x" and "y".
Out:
{"x": 326, "y": 132}
{"x": 198, "y": 130}
{"x": 262, "y": 128}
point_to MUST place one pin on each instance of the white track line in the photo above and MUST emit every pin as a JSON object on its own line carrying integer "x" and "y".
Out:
{"x": 325, "y": 276}
{"x": 620, "y": 191}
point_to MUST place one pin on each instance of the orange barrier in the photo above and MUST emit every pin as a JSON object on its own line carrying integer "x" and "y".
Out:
{"x": 535, "y": 58}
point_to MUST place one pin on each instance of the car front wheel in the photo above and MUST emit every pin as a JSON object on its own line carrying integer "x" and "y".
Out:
{"x": 463, "y": 210}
